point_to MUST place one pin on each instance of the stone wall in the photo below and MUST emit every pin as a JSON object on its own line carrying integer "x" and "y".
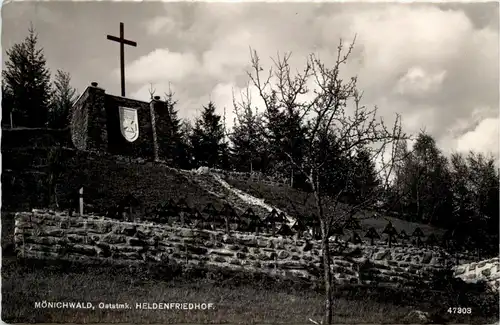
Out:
{"x": 487, "y": 270}
{"x": 55, "y": 235}
{"x": 95, "y": 124}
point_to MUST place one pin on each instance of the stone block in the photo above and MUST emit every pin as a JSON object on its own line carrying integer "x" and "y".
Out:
{"x": 77, "y": 239}
{"x": 234, "y": 247}
{"x": 219, "y": 259}
{"x": 196, "y": 250}
{"x": 263, "y": 243}
{"x": 99, "y": 227}
{"x": 78, "y": 231}
{"x": 486, "y": 272}
{"x": 83, "y": 250}
{"x": 137, "y": 242}
{"x": 185, "y": 233}
{"x": 222, "y": 253}
{"x": 114, "y": 239}
{"x": 247, "y": 242}
{"x": 127, "y": 255}
{"x": 125, "y": 229}
{"x": 234, "y": 262}
{"x": 44, "y": 240}
{"x": 427, "y": 258}
{"x": 283, "y": 255}
{"x": 381, "y": 255}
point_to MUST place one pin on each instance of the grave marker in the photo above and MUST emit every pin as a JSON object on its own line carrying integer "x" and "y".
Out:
{"x": 372, "y": 235}
{"x": 285, "y": 230}
{"x": 352, "y": 224}
{"x": 431, "y": 240}
{"x": 418, "y": 234}
{"x": 355, "y": 238}
{"x": 271, "y": 220}
{"x": 229, "y": 215}
{"x": 404, "y": 236}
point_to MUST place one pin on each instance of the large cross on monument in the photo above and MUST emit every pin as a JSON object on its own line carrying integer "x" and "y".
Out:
{"x": 122, "y": 42}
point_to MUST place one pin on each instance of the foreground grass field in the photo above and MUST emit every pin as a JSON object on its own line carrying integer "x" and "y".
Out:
{"x": 236, "y": 299}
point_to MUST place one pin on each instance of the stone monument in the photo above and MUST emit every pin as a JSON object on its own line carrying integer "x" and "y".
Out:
{"x": 118, "y": 125}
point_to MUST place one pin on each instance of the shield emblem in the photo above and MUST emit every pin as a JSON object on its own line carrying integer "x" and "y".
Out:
{"x": 129, "y": 123}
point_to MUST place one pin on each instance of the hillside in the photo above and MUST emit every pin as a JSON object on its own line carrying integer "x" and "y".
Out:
{"x": 107, "y": 180}
{"x": 298, "y": 203}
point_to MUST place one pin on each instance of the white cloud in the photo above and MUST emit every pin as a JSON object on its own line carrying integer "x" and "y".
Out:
{"x": 484, "y": 138}
{"x": 161, "y": 65}
{"x": 161, "y": 25}
{"x": 431, "y": 65}
{"x": 417, "y": 82}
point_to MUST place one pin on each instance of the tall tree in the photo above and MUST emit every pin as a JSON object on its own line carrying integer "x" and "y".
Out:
{"x": 365, "y": 179}
{"x": 207, "y": 138}
{"x": 475, "y": 187}
{"x": 170, "y": 135}
{"x": 63, "y": 98}
{"x": 424, "y": 182}
{"x": 27, "y": 81}
{"x": 324, "y": 111}
{"x": 247, "y": 140}
{"x": 6, "y": 105}
{"x": 431, "y": 181}
{"x": 285, "y": 131}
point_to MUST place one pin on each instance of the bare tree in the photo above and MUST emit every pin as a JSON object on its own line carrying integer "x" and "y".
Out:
{"x": 334, "y": 115}
{"x": 151, "y": 91}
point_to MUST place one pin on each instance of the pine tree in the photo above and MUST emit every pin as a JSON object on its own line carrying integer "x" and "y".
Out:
{"x": 27, "y": 81}
{"x": 364, "y": 176}
{"x": 63, "y": 98}
{"x": 248, "y": 143}
{"x": 6, "y": 105}
{"x": 285, "y": 137}
{"x": 207, "y": 138}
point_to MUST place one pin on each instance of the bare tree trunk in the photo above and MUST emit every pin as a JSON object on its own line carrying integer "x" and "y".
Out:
{"x": 325, "y": 249}
{"x": 327, "y": 274}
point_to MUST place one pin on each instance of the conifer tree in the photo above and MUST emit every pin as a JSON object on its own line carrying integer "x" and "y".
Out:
{"x": 207, "y": 138}
{"x": 27, "y": 82}
{"x": 247, "y": 140}
{"x": 63, "y": 98}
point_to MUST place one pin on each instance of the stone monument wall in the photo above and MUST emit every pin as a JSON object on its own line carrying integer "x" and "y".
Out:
{"x": 55, "y": 235}
{"x": 95, "y": 124}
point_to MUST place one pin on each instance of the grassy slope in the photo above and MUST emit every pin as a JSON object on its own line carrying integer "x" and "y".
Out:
{"x": 298, "y": 203}
{"x": 105, "y": 180}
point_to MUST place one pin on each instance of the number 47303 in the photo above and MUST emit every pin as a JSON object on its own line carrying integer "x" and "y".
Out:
{"x": 459, "y": 310}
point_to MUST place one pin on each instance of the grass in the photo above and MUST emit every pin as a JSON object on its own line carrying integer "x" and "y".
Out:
{"x": 106, "y": 181}
{"x": 237, "y": 298}
{"x": 23, "y": 285}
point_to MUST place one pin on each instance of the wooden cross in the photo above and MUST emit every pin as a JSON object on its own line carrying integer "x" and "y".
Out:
{"x": 122, "y": 42}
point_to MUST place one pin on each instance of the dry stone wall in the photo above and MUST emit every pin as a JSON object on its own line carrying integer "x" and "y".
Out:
{"x": 487, "y": 270}
{"x": 55, "y": 235}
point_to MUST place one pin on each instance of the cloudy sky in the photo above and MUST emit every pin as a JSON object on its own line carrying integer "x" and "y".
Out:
{"x": 437, "y": 65}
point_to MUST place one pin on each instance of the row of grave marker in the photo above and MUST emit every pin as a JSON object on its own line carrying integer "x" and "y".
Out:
{"x": 193, "y": 217}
